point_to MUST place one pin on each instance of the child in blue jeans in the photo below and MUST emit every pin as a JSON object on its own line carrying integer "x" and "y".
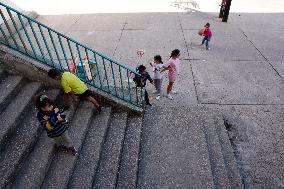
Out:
{"x": 207, "y": 35}
{"x": 52, "y": 119}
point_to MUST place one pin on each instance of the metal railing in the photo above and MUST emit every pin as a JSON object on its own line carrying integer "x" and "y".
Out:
{"x": 42, "y": 43}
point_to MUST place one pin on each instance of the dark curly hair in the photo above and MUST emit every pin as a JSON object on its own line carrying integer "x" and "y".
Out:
{"x": 41, "y": 101}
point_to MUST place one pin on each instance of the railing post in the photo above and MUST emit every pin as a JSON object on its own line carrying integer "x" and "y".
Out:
{"x": 87, "y": 56}
{"x": 46, "y": 45}
{"x": 63, "y": 51}
{"x": 129, "y": 88}
{"x": 8, "y": 28}
{"x": 55, "y": 49}
{"x": 81, "y": 62}
{"x": 121, "y": 82}
{"x": 95, "y": 57}
{"x": 113, "y": 77}
{"x": 26, "y": 32}
{"x": 4, "y": 35}
{"x": 106, "y": 77}
{"x": 37, "y": 41}
{"x": 17, "y": 30}
{"x": 72, "y": 56}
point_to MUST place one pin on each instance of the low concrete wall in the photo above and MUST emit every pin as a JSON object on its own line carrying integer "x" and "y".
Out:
{"x": 19, "y": 64}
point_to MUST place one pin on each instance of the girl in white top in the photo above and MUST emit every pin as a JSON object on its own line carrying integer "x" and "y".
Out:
{"x": 158, "y": 66}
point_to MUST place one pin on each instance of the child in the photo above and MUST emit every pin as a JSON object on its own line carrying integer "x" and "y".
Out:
{"x": 73, "y": 87}
{"x": 158, "y": 74}
{"x": 207, "y": 35}
{"x": 53, "y": 121}
{"x": 141, "y": 81}
{"x": 173, "y": 67}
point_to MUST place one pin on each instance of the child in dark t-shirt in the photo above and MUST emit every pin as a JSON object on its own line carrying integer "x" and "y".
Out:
{"x": 53, "y": 120}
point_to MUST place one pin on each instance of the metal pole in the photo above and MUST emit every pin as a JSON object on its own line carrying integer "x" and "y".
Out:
{"x": 227, "y": 10}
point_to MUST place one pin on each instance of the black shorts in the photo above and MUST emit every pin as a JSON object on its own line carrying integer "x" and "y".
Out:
{"x": 86, "y": 94}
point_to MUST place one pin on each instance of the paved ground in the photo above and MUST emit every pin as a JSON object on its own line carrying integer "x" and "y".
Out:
{"x": 243, "y": 72}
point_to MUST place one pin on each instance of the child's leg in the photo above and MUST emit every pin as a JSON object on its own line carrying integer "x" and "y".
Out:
{"x": 207, "y": 43}
{"x": 63, "y": 141}
{"x": 92, "y": 100}
{"x": 147, "y": 98}
{"x": 203, "y": 40}
{"x": 170, "y": 87}
{"x": 159, "y": 86}
{"x": 156, "y": 82}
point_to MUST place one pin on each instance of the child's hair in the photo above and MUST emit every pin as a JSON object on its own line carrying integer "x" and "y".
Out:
{"x": 175, "y": 53}
{"x": 52, "y": 73}
{"x": 158, "y": 58}
{"x": 207, "y": 25}
{"x": 141, "y": 68}
{"x": 41, "y": 101}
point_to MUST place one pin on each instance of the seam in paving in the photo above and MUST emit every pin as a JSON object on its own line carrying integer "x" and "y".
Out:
{"x": 220, "y": 104}
{"x": 191, "y": 69}
{"x": 266, "y": 59}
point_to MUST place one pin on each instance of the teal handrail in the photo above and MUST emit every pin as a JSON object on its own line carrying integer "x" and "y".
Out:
{"x": 50, "y": 47}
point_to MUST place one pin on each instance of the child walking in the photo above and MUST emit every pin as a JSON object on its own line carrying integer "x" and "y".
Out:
{"x": 73, "y": 87}
{"x": 52, "y": 119}
{"x": 173, "y": 66}
{"x": 141, "y": 81}
{"x": 158, "y": 74}
{"x": 207, "y": 35}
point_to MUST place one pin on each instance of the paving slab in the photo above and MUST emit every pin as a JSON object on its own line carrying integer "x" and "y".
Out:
{"x": 237, "y": 82}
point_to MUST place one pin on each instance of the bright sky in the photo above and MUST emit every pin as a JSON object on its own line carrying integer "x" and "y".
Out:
{"x": 53, "y": 7}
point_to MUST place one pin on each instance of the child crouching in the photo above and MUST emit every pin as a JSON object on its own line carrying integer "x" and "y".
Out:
{"x": 54, "y": 122}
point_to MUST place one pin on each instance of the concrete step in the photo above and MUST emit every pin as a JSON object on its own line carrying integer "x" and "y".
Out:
{"x": 228, "y": 155}
{"x": 15, "y": 112}
{"x": 36, "y": 165}
{"x": 218, "y": 167}
{"x": 9, "y": 87}
{"x": 87, "y": 162}
{"x": 174, "y": 152}
{"x": 130, "y": 154}
{"x": 106, "y": 174}
{"x": 63, "y": 164}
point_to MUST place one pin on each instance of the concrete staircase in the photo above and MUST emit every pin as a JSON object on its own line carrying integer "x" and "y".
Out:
{"x": 190, "y": 151}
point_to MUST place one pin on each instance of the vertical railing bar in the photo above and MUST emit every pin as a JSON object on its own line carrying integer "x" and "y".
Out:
{"x": 46, "y": 45}
{"x": 129, "y": 88}
{"x": 28, "y": 37}
{"x": 105, "y": 73}
{"x": 54, "y": 46}
{"x": 72, "y": 56}
{"x": 9, "y": 29}
{"x": 37, "y": 41}
{"x": 63, "y": 51}
{"x": 113, "y": 77}
{"x": 141, "y": 93}
{"x": 3, "y": 33}
{"x": 95, "y": 57}
{"x": 121, "y": 82}
{"x": 16, "y": 28}
{"x": 87, "y": 56}
{"x": 82, "y": 63}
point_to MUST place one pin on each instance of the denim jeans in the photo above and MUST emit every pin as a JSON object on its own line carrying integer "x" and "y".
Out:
{"x": 206, "y": 40}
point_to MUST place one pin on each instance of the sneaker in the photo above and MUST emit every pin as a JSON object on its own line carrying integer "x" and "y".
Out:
{"x": 148, "y": 104}
{"x": 174, "y": 92}
{"x": 207, "y": 49}
{"x": 170, "y": 97}
{"x": 158, "y": 97}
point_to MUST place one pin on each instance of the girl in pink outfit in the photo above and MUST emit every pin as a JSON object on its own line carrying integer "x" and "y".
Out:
{"x": 173, "y": 67}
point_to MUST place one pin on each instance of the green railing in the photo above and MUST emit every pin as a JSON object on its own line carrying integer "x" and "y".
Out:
{"x": 42, "y": 43}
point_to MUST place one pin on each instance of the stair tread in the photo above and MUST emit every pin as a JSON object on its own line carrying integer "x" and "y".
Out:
{"x": 9, "y": 87}
{"x": 63, "y": 164}
{"x": 10, "y": 117}
{"x": 106, "y": 173}
{"x": 32, "y": 172}
{"x": 130, "y": 154}
{"x": 88, "y": 160}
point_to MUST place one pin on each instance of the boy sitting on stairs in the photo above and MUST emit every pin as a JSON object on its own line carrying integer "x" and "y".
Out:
{"x": 73, "y": 87}
{"x": 54, "y": 122}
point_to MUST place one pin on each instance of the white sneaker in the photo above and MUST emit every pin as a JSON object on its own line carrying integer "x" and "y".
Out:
{"x": 174, "y": 92}
{"x": 158, "y": 97}
{"x": 170, "y": 97}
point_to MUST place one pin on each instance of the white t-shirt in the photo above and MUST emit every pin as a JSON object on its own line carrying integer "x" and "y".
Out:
{"x": 157, "y": 68}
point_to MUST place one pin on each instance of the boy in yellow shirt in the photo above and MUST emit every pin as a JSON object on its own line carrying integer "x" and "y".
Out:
{"x": 73, "y": 86}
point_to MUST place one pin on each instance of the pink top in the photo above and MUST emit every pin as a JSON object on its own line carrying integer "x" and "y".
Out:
{"x": 173, "y": 65}
{"x": 207, "y": 32}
